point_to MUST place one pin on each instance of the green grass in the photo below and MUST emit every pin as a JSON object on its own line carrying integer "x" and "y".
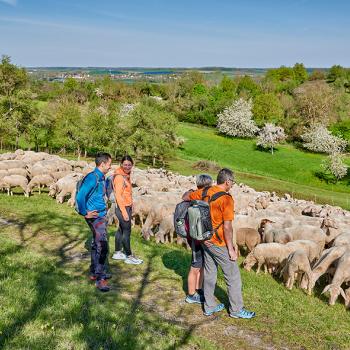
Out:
{"x": 288, "y": 170}
{"x": 47, "y": 302}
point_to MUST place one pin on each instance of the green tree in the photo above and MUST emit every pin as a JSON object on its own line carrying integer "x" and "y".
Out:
{"x": 267, "y": 108}
{"x": 300, "y": 73}
{"x": 150, "y": 132}
{"x": 335, "y": 73}
{"x": 247, "y": 87}
{"x": 12, "y": 78}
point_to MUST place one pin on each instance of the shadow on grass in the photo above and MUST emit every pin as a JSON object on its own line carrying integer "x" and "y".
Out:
{"x": 136, "y": 325}
{"x": 180, "y": 262}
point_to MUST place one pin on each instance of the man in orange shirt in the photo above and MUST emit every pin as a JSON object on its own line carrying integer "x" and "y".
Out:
{"x": 219, "y": 249}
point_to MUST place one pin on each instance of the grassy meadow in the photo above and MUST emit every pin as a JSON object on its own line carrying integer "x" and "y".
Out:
{"x": 47, "y": 301}
{"x": 288, "y": 170}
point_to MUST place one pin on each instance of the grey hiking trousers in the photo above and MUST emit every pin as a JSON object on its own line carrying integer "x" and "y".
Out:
{"x": 214, "y": 256}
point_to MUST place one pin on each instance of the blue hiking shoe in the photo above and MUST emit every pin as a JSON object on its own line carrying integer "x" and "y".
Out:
{"x": 218, "y": 308}
{"x": 195, "y": 299}
{"x": 243, "y": 313}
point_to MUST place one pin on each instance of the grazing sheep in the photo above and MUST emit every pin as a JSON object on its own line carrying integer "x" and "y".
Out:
{"x": 166, "y": 230}
{"x": 311, "y": 248}
{"x": 155, "y": 216}
{"x": 268, "y": 254}
{"x": 327, "y": 258}
{"x": 342, "y": 274}
{"x": 10, "y": 181}
{"x": 18, "y": 171}
{"x": 297, "y": 264}
{"x": 342, "y": 239}
{"x": 40, "y": 181}
{"x": 247, "y": 237}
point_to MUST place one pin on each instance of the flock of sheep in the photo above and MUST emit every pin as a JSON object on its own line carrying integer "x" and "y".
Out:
{"x": 293, "y": 238}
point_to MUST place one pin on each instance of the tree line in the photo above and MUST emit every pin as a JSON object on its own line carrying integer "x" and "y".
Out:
{"x": 140, "y": 118}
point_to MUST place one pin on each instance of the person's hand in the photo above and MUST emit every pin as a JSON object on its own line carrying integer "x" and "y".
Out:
{"x": 208, "y": 243}
{"x": 126, "y": 217}
{"x": 232, "y": 254}
{"x": 91, "y": 214}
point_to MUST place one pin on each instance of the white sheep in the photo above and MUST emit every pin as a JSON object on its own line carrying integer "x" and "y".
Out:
{"x": 10, "y": 181}
{"x": 40, "y": 181}
{"x": 297, "y": 265}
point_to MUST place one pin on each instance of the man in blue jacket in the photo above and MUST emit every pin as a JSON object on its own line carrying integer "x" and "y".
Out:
{"x": 92, "y": 205}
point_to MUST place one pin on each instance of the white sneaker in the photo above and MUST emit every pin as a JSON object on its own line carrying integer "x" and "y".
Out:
{"x": 119, "y": 255}
{"x": 133, "y": 260}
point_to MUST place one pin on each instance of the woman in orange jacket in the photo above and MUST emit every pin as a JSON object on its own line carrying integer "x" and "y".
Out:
{"x": 123, "y": 196}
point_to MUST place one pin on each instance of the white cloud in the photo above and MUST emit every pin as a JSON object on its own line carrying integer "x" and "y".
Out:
{"x": 9, "y": 2}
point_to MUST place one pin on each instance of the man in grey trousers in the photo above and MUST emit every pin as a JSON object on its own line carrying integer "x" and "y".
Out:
{"x": 219, "y": 249}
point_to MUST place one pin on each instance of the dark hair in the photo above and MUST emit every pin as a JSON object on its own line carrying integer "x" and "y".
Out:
{"x": 102, "y": 158}
{"x": 127, "y": 157}
{"x": 224, "y": 175}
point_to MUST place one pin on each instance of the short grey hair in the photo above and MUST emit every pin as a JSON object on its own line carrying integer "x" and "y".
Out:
{"x": 203, "y": 180}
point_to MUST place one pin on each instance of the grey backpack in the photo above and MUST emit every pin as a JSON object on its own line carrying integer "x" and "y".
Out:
{"x": 200, "y": 224}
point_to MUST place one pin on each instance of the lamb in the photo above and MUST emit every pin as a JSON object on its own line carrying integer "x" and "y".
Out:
{"x": 247, "y": 237}
{"x": 11, "y": 181}
{"x": 267, "y": 254}
{"x": 40, "y": 181}
{"x": 342, "y": 274}
{"x": 297, "y": 264}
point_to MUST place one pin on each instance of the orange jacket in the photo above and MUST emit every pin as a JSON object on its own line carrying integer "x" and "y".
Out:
{"x": 122, "y": 190}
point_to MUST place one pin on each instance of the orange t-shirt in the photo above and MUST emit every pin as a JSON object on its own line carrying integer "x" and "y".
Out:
{"x": 221, "y": 210}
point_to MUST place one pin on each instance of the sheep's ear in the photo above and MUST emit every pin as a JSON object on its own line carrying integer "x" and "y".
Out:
{"x": 326, "y": 289}
{"x": 342, "y": 293}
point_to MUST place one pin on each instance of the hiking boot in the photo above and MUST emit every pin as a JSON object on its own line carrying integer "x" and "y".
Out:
{"x": 119, "y": 255}
{"x": 102, "y": 286}
{"x": 243, "y": 313}
{"x": 218, "y": 308}
{"x": 132, "y": 260}
{"x": 93, "y": 277}
{"x": 194, "y": 299}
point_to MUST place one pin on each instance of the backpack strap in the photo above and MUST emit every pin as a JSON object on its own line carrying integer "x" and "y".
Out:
{"x": 124, "y": 180}
{"x": 213, "y": 198}
{"x": 94, "y": 188}
{"x": 205, "y": 193}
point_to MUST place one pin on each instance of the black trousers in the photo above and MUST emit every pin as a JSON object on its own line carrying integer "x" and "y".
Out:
{"x": 122, "y": 236}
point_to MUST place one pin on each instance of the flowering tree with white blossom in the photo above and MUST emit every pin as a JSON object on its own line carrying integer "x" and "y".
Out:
{"x": 236, "y": 120}
{"x": 319, "y": 139}
{"x": 270, "y": 135}
{"x": 334, "y": 164}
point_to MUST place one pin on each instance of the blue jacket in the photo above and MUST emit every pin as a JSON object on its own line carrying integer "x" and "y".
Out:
{"x": 91, "y": 195}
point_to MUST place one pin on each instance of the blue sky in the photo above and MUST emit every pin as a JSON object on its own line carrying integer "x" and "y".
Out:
{"x": 154, "y": 33}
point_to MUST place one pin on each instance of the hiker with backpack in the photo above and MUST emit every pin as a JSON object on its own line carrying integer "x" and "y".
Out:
{"x": 210, "y": 217}
{"x": 123, "y": 197}
{"x": 195, "y": 275}
{"x": 91, "y": 203}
